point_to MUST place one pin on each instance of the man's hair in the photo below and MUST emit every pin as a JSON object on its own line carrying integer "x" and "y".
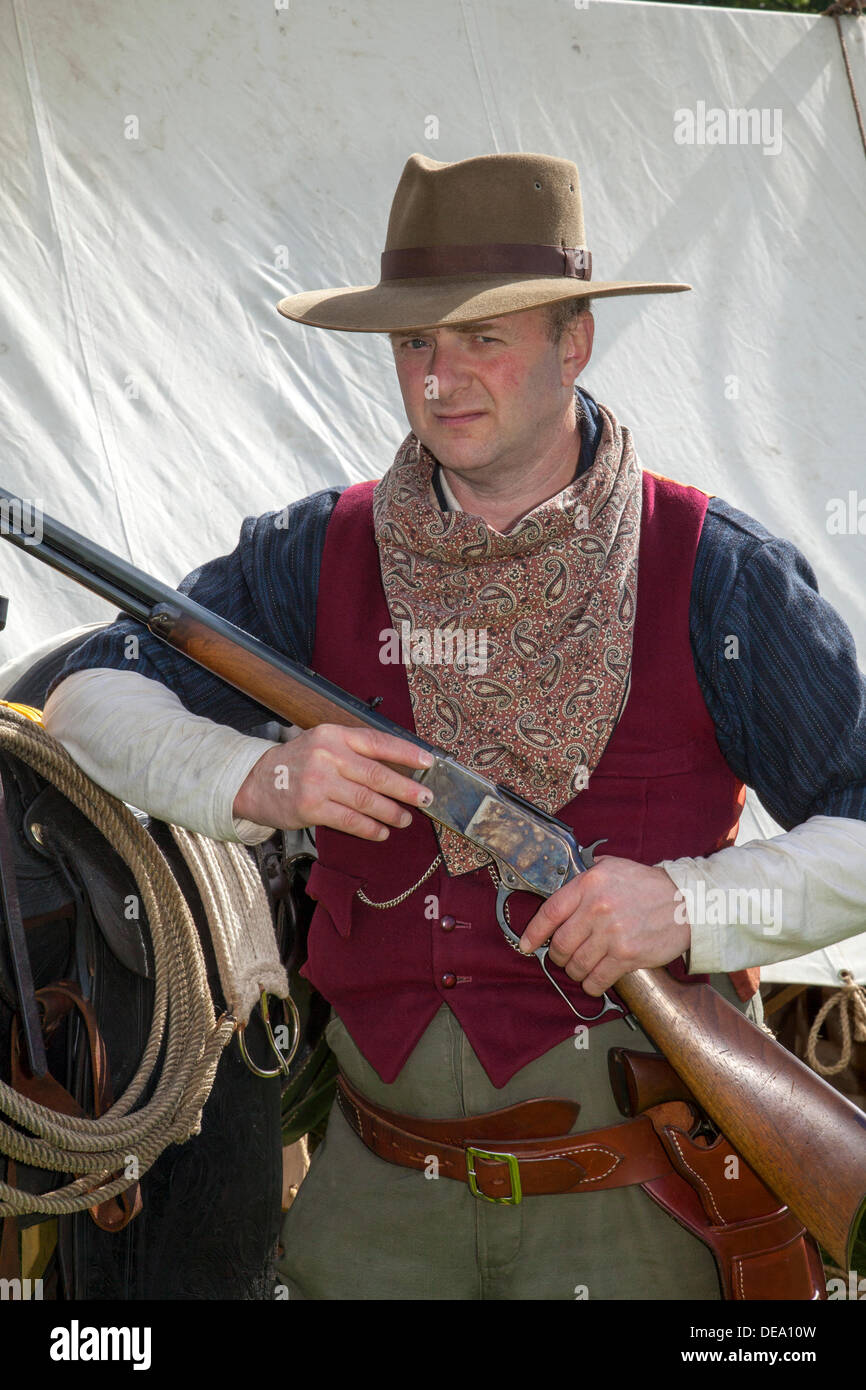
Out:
{"x": 562, "y": 315}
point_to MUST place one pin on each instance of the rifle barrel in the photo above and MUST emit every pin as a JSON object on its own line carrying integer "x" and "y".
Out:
{"x": 171, "y": 616}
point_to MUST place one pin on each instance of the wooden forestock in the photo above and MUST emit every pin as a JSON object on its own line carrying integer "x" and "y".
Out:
{"x": 252, "y": 675}
{"x": 806, "y": 1140}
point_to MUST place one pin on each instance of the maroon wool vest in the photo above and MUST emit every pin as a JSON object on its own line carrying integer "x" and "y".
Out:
{"x": 661, "y": 790}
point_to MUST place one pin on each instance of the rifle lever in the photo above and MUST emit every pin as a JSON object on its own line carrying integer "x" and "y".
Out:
{"x": 541, "y": 952}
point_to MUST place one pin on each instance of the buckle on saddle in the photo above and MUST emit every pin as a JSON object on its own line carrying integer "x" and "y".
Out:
{"x": 513, "y": 1171}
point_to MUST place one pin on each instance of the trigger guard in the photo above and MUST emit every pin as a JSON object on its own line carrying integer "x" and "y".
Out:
{"x": 586, "y": 855}
{"x": 502, "y": 895}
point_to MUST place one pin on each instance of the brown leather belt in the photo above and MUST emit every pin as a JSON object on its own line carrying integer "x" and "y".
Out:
{"x": 492, "y": 1154}
{"x": 761, "y": 1250}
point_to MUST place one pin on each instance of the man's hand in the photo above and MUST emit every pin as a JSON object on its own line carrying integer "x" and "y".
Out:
{"x": 334, "y": 776}
{"x": 619, "y": 916}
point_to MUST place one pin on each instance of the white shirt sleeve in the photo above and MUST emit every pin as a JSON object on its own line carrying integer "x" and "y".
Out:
{"x": 136, "y": 739}
{"x": 772, "y": 900}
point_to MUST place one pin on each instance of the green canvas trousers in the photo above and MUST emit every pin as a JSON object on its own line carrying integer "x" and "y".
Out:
{"x": 363, "y": 1228}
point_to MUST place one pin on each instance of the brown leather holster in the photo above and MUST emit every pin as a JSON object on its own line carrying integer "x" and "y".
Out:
{"x": 760, "y": 1248}
{"x": 762, "y": 1251}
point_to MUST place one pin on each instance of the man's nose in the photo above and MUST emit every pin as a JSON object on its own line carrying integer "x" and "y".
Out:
{"x": 449, "y": 366}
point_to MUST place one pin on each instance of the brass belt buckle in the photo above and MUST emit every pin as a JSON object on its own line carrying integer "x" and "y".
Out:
{"x": 513, "y": 1172}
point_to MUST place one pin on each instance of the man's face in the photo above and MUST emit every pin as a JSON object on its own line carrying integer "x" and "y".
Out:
{"x": 490, "y": 397}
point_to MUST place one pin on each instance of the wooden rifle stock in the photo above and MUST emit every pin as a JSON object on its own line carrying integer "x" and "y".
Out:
{"x": 803, "y": 1137}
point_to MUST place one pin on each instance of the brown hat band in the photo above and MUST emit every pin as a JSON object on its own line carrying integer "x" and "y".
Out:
{"x": 414, "y": 262}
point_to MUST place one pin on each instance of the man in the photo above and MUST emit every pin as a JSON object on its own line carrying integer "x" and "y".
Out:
{"x": 606, "y": 597}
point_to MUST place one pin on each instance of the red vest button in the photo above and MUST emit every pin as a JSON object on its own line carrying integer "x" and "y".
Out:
{"x": 448, "y": 923}
{"x": 448, "y": 981}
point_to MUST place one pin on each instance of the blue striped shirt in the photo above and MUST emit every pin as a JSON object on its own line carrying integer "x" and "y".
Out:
{"x": 789, "y": 711}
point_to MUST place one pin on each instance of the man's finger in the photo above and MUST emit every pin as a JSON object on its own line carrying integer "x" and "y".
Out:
{"x": 580, "y": 964}
{"x": 553, "y": 912}
{"x": 360, "y": 797}
{"x": 371, "y": 743}
{"x": 604, "y": 976}
{"x": 381, "y": 781}
{"x": 341, "y": 817}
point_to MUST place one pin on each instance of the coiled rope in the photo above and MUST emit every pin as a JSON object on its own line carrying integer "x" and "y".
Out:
{"x": 100, "y": 1150}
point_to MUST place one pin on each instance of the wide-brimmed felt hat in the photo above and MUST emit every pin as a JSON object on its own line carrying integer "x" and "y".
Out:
{"x": 472, "y": 240}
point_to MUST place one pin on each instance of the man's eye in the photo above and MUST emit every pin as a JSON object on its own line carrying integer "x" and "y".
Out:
{"x": 410, "y": 342}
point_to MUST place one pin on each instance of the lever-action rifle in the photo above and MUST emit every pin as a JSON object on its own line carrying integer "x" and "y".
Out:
{"x": 806, "y": 1141}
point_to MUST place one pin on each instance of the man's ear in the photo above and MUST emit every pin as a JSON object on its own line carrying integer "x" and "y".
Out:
{"x": 576, "y": 346}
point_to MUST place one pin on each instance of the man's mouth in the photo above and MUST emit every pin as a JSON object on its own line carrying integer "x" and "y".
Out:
{"x": 462, "y": 417}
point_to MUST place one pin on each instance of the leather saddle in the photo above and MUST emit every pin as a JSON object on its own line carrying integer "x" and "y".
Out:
{"x": 208, "y": 1222}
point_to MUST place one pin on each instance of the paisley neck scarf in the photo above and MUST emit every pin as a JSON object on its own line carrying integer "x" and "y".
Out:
{"x": 517, "y": 647}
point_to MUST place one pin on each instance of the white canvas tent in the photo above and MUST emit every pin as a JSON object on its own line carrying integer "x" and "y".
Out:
{"x": 170, "y": 171}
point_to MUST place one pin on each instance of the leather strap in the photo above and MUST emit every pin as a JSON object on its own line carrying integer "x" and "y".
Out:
{"x": 57, "y": 1000}
{"x": 10, "y": 908}
{"x": 10, "y": 1255}
{"x": 465, "y": 1149}
{"x": 491, "y": 258}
